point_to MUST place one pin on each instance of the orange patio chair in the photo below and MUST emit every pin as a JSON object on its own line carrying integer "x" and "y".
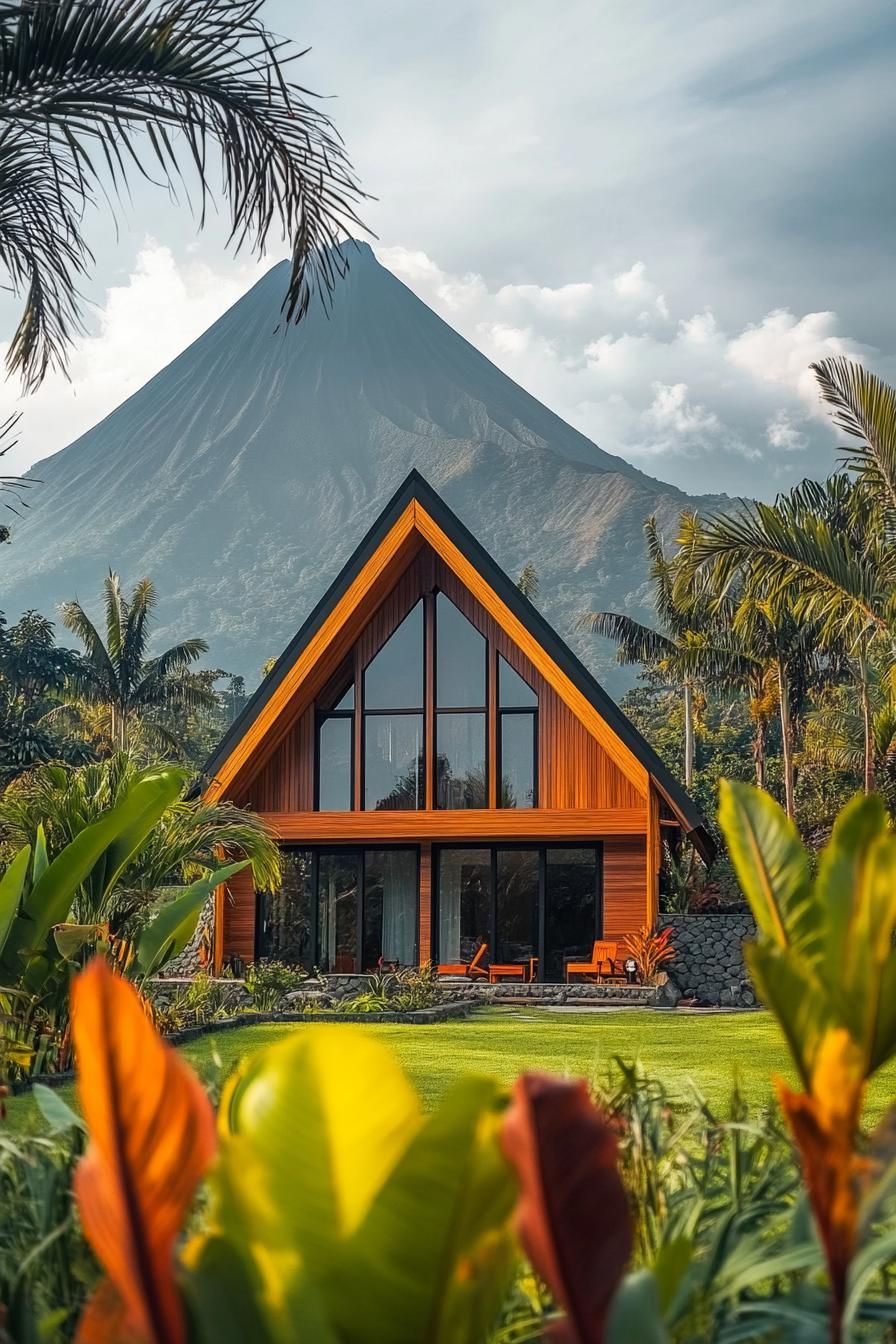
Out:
{"x": 602, "y": 954}
{"x": 474, "y": 970}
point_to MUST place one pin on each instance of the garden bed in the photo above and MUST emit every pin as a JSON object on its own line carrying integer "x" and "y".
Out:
{"x": 444, "y": 1012}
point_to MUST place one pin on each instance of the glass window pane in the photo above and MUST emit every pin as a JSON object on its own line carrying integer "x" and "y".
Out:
{"x": 284, "y": 922}
{"x": 460, "y": 761}
{"x": 517, "y": 749}
{"x": 393, "y": 762}
{"x": 390, "y": 908}
{"x": 337, "y": 926}
{"x": 465, "y": 888}
{"x": 460, "y": 658}
{"x": 335, "y": 765}
{"x": 513, "y": 692}
{"x": 348, "y": 700}
{"x": 571, "y": 909}
{"x": 516, "y": 937}
{"x": 394, "y": 678}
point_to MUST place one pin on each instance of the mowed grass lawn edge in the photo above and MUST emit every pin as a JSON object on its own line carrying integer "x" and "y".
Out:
{"x": 684, "y": 1051}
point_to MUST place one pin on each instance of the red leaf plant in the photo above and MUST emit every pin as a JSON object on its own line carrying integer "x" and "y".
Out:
{"x": 572, "y": 1216}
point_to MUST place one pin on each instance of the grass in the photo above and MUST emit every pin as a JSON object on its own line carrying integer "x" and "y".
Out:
{"x": 679, "y": 1049}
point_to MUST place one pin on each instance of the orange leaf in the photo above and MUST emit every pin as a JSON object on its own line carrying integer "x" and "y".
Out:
{"x": 572, "y": 1215}
{"x": 824, "y": 1124}
{"x": 105, "y": 1319}
{"x": 152, "y": 1135}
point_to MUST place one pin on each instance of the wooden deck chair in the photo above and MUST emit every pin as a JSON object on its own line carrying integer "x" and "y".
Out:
{"x": 474, "y": 969}
{"x": 602, "y": 954}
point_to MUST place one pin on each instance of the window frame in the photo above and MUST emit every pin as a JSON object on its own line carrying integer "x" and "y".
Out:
{"x": 365, "y": 713}
{"x": 320, "y": 718}
{"x": 493, "y": 848}
{"x": 438, "y": 709}
{"x": 360, "y": 852}
{"x": 500, "y": 712}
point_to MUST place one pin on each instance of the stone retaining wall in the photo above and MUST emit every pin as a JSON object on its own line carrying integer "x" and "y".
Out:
{"x": 514, "y": 992}
{"x": 709, "y": 960}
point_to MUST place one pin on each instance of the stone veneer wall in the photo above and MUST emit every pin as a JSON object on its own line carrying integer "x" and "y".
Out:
{"x": 709, "y": 960}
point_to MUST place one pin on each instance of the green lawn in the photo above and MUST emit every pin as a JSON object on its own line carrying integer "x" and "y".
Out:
{"x": 708, "y": 1051}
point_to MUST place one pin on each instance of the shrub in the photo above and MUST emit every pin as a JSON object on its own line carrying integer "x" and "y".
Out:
{"x": 401, "y": 991}
{"x": 269, "y": 982}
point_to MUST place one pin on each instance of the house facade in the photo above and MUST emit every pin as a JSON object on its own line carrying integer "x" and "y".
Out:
{"x": 441, "y": 771}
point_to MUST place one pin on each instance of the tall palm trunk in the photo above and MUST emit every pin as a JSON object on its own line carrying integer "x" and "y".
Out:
{"x": 786, "y": 736}
{"x": 688, "y": 735}
{"x": 867, "y": 728}
{"x": 759, "y": 740}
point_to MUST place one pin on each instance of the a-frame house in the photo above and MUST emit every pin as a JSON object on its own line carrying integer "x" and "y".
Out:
{"x": 441, "y": 771}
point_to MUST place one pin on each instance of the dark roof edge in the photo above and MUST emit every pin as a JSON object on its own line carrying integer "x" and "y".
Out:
{"x": 416, "y": 487}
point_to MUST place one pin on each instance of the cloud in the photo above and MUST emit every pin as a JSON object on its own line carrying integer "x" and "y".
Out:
{"x": 141, "y": 325}
{"x": 706, "y": 408}
{"x": 703, "y": 407}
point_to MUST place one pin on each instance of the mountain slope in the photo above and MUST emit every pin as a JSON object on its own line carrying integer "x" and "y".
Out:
{"x": 242, "y": 475}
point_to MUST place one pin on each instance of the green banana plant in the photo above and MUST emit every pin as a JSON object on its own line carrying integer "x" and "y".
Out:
{"x": 33, "y": 903}
{"x": 40, "y": 951}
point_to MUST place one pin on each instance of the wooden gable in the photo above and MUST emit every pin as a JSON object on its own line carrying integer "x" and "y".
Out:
{"x": 575, "y": 770}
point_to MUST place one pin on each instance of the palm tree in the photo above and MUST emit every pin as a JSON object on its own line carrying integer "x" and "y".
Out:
{"x": 94, "y": 90}
{"x": 674, "y": 653}
{"x": 838, "y": 733}
{"x": 528, "y": 581}
{"x": 830, "y": 546}
{"x": 129, "y": 694}
{"x": 187, "y": 843}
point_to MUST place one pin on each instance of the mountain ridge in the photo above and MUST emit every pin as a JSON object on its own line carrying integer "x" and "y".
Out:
{"x": 242, "y": 474}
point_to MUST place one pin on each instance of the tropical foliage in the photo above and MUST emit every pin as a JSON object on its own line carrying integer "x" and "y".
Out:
{"x": 34, "y": 676}
{"x": 184, "y": 844}
{"x": 60, "y": 905}
{"x": 122, "y": 695}
{"x": 333, "y": 1206}
{"x": 92, "y": 94}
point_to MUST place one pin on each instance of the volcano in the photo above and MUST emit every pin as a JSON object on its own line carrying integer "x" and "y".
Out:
{"x": 243, "y": 474}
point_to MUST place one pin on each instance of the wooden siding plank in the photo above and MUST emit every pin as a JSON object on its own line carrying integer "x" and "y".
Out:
{"x": 625, "y": 877}
{"x": 238, "y": 937}
{"x": 425, "y": 919}
{"x": 502, "y": 824}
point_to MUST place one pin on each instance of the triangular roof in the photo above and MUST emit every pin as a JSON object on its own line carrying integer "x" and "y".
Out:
{"x": 416, "y": 507}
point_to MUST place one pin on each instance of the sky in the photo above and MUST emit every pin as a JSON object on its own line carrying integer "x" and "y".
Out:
{"x": 652, "y": 216}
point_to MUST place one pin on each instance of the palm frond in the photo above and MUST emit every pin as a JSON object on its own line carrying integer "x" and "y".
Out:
{"x": 116, "y": 617}
{"x": 113, "y": 87}
{"x": 843, "y": 592}
{"x": 139, "y": 612}
{"x": 102, "y": 670}
{"x": 636, "y": 643}
{"x": 161, "y": 669}
{"x": 41, "y": 249}
{"x": 864, "y": 406}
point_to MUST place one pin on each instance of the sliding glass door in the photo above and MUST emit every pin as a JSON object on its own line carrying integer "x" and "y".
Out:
{"x": 517, "y": 883}
{"x": 390, "y": 908}
{"x": 344, "y": 910}
{"x": 465, "y": 903}
{"x": 535, "y": 906}
{"x": 572, "y": 909}
{"x": 338, "y": 910}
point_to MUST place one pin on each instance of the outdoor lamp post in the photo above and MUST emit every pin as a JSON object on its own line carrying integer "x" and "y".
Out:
{"x": 631, "y": 971}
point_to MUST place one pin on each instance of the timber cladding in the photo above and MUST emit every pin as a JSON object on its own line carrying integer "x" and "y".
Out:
{"x": 575, "y": 770}
{"x": 625, "y": 879}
